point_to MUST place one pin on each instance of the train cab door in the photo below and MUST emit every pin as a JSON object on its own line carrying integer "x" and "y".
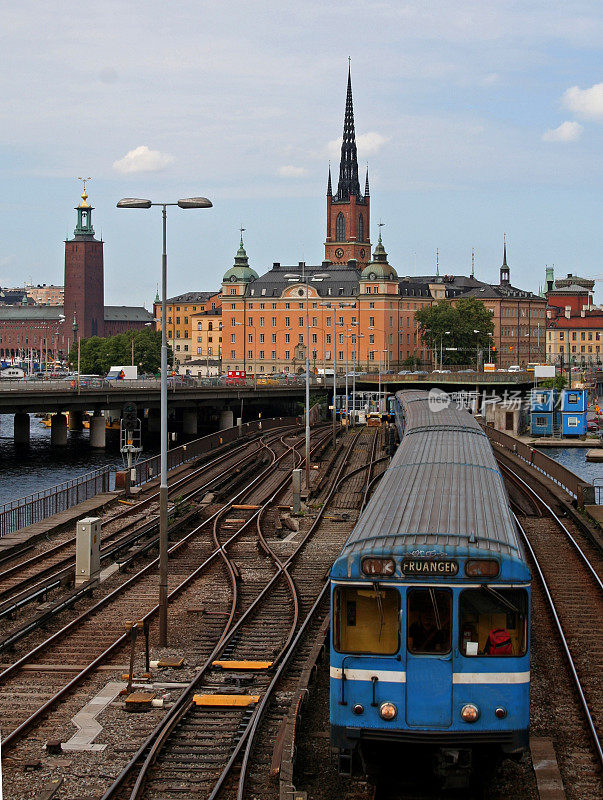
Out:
{"x": 429, "y": 657}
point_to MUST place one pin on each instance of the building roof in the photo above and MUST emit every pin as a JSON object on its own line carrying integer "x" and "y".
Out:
{"x": 340, "y": 276}
{"x": 191, "y": 297}
{"x": 571, "y": 289}
{"x": 127, "y": 313}
{"x": 30, "y": 313}
{"x": 592, "y": 319}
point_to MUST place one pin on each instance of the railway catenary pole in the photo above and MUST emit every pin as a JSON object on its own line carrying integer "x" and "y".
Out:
{"x": 193, "y": 202}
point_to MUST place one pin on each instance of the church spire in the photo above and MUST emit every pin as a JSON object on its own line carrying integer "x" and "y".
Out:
{"x": 329, "y": 187}
{"x": 505, "y": 272}
{"x": 348, "y": 167}
{"x": 366, "y": 184}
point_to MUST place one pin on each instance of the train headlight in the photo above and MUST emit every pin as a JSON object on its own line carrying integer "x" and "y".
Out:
{"x": 358, "y": 709}
{"x": 470, "y": 713}
{"x": 500, "y": 713}
{"x": 388, "y": 711}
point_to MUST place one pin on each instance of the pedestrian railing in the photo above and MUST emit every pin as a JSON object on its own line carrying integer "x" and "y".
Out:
{"x": 20, "y": 513}
{"x": 581, "y": 490}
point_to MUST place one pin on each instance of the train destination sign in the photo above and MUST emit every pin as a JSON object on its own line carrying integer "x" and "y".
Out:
{"x": 429, "y": 566}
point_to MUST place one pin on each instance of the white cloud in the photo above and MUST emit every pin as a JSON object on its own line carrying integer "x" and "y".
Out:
{"x": 290, "y": 171}
{"x": 566, "y": 132}
{"x": 141, "y": 159}
{"x": 586, "y": 103}
{"x": 367, "y": 143}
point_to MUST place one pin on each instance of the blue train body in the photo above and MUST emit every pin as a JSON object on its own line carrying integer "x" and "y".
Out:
{"x": 431, "y": 577}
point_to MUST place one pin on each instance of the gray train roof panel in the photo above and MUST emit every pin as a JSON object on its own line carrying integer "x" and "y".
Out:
{"x": 443, "y": 488}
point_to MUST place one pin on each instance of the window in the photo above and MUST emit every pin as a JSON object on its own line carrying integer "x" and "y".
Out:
{"x": 250, "y": 322}
{"x": 328, "y": 322}
{"x": 262, "y": 354}
{"x": 261, "y": 338}
{"x": 493, "y": 622}
{"x": 232, "y": 354}
{"x": 274, "y": 355}
{"x": 328, "y": 340}
{"x": 340, "y": 228}
{"x": 233, "y": 305}
{"x": 287, "y": 322}
{"x": 301, "y": 338}
{"x": 360, "y": 228}
{"x": 371, "y": 338}
{"x": 366, "y": 620}
{"x": 274, "y": 322}
{"x": 273, "y": 305}
{"x": 232, "y": 338}
{"x": 287, "y": 355}
{"x": 233, "y": 290}
{"x": 249, "y": 338}
{"x": 371, "y": 305}
{"x": 341, "y": 338}
{"x": 371, "y": 322}
{"x": 315, "y": 323}
{"x": 541, "y": 422}
{"x": 341, "y": 355}
{"x": 428, "y": 619}
{"x": 300, "y": 305}
{"x": 250, "y": 354}
{"x": 300, "y": 322}
{"x": 340, "y": 291}
{"x": 314, "y": 338}
{"x": 274, "y": 338}
{"x": 368, "y": 289}
{"x": 287, "y": 305}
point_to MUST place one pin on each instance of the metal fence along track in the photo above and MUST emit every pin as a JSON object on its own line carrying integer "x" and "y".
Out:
{"x": 20, "y": 513}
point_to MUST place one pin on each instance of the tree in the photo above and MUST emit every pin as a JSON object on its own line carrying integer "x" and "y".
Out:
{"x": 98, "y": 355}
{"x": 451, "y": 329}
{"x": 412, "y": 362}
{"x": 559, "y": 382}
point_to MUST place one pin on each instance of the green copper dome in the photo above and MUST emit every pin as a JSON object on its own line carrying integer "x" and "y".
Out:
{"x": 240, "y": 272}
{"x": 378, "y": 269}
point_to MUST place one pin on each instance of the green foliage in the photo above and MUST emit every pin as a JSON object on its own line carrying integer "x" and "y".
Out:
{"x": 98, "y": 355}
{"x": 412, "y": 362}
{"x": 467, "y": 315}
{"x": 559, "y": 382}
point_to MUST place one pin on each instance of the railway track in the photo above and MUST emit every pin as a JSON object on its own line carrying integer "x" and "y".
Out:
{"x": 96, "y": 636}
{"x": 567, "y": 607}
{"x": 195, "y": 751}
{"x": 36, "y": 578}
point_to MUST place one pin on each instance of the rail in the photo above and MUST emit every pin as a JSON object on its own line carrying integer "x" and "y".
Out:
{"x": 149, "y": 469}
{"x": 583, "y": 492}
{"x": 24, "y": 511}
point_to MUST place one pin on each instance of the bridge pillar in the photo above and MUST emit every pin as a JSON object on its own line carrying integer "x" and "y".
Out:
{"x": 189, "y": 422}
{"x": 58, "y": 430}
{"x": 154, "y": 420}
{"x": 226, "y": 419}
{"x": 21, "y": 428}
{"x": 75, "y": 421}
{"x": 97, "y": 431}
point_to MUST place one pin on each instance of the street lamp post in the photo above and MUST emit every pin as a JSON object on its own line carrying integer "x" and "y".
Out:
{"x": 193, "y": 202}
{"x": 303, "y": 278}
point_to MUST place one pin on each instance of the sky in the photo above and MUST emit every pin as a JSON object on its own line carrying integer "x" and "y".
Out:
{"x": 476, "y": 119}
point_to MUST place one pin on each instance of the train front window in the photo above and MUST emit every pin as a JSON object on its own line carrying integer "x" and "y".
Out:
{"x": 493, "y": 622}
{"x": 429, "y": 616}
{"x": 366, "y": 620}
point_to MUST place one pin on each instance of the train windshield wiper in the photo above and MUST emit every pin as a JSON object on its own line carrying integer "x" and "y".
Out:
{"x": 501, "y": 598}
{"x": 435, "y": 609}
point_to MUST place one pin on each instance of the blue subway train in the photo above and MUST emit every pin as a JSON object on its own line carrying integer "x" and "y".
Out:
{"x": 430, "y": 608}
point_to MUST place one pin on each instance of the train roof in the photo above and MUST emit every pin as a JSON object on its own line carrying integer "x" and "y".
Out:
{"x": 443, "y": 492}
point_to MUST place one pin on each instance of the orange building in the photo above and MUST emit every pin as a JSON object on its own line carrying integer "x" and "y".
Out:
{"x": 194, "y": 324}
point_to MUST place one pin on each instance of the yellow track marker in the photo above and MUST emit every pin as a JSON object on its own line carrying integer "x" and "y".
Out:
{"x": 223, "y": 700}
{"x": 243, "y": 664}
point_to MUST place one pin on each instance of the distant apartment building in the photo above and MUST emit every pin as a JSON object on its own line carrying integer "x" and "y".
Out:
{"x": 574, "y": 324}
{"x": 193, "y": 326}
{"x": 44, "y": 295}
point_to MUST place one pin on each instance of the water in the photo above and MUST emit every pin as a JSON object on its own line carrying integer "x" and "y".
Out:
{"x": 574, "y": 459}
{"x": 24, "y": 470}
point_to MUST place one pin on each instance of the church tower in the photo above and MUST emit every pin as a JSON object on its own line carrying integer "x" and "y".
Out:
{"x": 84, "y": 281}
{"x": 348, "y": 211}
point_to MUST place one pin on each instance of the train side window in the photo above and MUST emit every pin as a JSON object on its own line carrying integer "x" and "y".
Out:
{"x": 493, "y": 622}
{"x": 366, "y": 620}
{"x": 429, "y": 616}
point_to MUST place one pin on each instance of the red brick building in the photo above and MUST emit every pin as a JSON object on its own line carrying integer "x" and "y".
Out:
{"x": 41, "y": 331}
{"x": 574, "y": 324}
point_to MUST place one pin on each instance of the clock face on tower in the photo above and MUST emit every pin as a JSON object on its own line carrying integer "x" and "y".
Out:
{"x": 339, "y": 252}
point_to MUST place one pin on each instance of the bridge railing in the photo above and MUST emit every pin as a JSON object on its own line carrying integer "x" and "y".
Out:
{"x": 24, "y": 511}
{"x": 149, "y": 469}
{"x": 583, "y": 492}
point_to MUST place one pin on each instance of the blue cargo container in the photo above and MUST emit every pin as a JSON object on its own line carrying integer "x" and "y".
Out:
{"x": 543, "y": 399}
{"x": 573, "y": 400}
{"x": 573, "y": 424}
{"x": 542, "y": 423}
